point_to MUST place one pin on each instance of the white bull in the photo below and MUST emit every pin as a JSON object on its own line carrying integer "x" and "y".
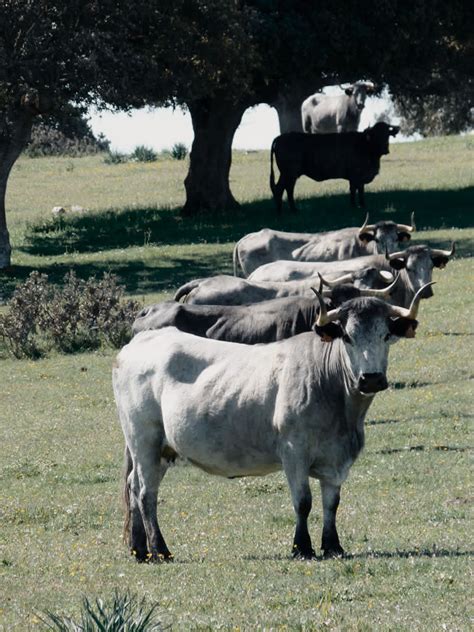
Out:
{"x": 331, "y": 114}
{"x": 236, "y": 410}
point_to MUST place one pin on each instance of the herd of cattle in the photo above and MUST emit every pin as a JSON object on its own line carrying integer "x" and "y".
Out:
{"x": 275, "y": 371}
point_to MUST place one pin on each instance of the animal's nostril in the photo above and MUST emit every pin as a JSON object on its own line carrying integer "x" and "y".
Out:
{"x": 427, "y": 293}
{"x": 372, "y": 382}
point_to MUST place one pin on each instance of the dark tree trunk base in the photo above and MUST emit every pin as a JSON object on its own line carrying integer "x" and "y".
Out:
{"x": 207, "y": 182}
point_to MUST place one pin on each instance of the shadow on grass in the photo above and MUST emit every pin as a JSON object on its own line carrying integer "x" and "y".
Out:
{"x": 414, "y": 384}
{"x": 433, "y": 552}
{"x": 422, "y": 448}
{"x": 122, "y": 228}
{"x": 368, "y": 555}
{"x": 135, "y": 275}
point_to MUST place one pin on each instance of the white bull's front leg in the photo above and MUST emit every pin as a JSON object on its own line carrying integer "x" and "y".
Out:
{"x": 330, "y": 544}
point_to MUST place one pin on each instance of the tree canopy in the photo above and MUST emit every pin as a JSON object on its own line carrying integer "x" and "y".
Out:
{"x": 217, "y": 57}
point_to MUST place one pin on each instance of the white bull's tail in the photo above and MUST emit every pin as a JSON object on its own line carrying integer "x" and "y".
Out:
{"x": 185, "y": 289}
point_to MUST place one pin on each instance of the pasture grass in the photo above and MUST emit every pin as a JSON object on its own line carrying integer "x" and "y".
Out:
{"x": 405, "y": 512}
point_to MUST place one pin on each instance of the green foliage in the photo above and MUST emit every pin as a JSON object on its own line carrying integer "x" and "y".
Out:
{"x": 77, "y": 316}
{"x": 179, "y": 151}
{"x": 122, "y": 613}
{"x": 141, "y": 153}
{"x": 115, "y": 158}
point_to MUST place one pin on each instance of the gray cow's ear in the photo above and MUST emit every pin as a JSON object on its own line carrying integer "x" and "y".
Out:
{"x": 328, "y": 332}
{"x": 403, "y": 327}
{"x": 439, "y": 261}
{"x": 398, "y": 264}
{"x": 366, "y": 236}
{"x": 402, "y": 236}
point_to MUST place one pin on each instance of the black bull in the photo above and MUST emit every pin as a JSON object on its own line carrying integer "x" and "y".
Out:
{"x": 263, "y": 322}
{"x": 353, "y": 156}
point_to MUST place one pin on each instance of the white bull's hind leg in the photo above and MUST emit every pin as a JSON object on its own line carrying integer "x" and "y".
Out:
{"x": 298, "y": 481}
{"x": 148, "y": 472}
{"x": 330, "y": 541}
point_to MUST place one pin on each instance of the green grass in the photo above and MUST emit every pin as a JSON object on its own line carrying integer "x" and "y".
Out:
{"x": 405, "y": 509}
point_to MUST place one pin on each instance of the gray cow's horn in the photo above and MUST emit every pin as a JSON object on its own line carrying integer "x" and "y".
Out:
{"x": 383, "y": 293}
{"x": 401, "y": 254}
{"x": 366, "y": 226}
{"x": 444, "y": 253}
{"x": 325, "y": 317}
{"x": 412, "y": 312}
{"x": 345, "y": 278}
{"x": 405, "y": 227}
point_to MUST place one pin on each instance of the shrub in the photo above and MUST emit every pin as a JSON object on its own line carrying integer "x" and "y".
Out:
{"x": 66, "y": 134}
{"x": 143, "y": 154}
{"x": 115, "y": 158}
{"x": 79, "y": 316}
{"x": 122, "y": 613}
{"x": 179, "y": 151}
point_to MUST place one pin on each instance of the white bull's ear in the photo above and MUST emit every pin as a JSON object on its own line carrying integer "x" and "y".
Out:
{"x": 403, "y": 327}
{"x": 349, "y": 91}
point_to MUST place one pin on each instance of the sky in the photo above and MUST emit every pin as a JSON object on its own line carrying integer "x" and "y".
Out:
{"x": 161, "y": 128}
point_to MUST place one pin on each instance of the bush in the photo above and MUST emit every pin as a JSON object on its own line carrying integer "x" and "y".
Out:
{"x": 123, "y": 613}
{"x": 66, "y": 134}
{"x": 115, "y": 158}
{"x": 82, "y": 315}
{"x": 143, "y": 154}
{"x": 179, "y": 151}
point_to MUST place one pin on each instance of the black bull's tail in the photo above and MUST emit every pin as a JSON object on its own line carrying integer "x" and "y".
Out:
{"x": 272, "y": 173}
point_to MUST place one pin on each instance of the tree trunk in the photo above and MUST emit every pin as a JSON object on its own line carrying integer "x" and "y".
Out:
{"x": 207, "y": 182}
{"x": 15, "y": 131}
{"x": 289, "y": 113}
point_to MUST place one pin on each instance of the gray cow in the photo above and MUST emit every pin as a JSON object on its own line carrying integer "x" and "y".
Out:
{"x": 296, "y": 405}
{"x": 415, "y": 264}
{"x": 267, "y": 245}
{"x": 325, "y": 114}
{"x": 229, "y": 290}
{"x": 263, "y": 322}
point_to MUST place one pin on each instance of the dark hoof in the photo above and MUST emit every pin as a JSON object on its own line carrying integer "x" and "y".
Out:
{"x": 335, "y": 552}
{"x": 159, "y": 558}
{"x": 298, "y": 554}
{"x": 140, "y": 556}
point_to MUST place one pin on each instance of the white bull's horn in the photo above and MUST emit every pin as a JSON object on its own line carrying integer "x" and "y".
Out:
{"x": 366, "y": 226}
{"x": 383, "y": 293}
{"x": 405, "y": 227}
{"x": 325, "y": 317}
{"x": 412, "y": 312}
{"x": 444, "y": 253}
{"x": 345, "y": 278}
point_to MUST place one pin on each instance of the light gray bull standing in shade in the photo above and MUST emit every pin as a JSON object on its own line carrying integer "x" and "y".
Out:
{"x": 229, "y": 290}
{"x": 331, "y": 114}
{"x": 416, "y": 265}
{"x": 235, "y": 410}
{"x": 267, "y": 245}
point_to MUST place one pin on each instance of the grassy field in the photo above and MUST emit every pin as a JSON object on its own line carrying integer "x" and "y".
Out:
{"x": 405, "y": 512}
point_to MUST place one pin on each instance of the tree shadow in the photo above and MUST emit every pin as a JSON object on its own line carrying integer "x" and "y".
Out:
{"x": 413, "y": 384}
{"x": 422, "y": 448}
{"x": 136, "y": 276}
{"x": 122, "y": 228}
